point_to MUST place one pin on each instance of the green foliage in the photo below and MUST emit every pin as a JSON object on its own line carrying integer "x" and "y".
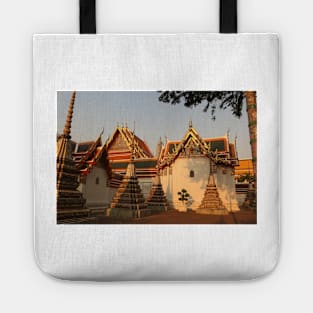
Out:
{"x": 212, "y": 100}
{"x": 183, "y": 195}
{"x": 246, "y": 177}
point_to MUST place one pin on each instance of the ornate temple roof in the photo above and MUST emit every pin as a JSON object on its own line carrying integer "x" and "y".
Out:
{"x": 90, "y": 153}
{"x": 245, "y": 167}
{"x": 217, "y": 149}
{"x": 119, "y": 145}
{"x": 84, "y": 150}
{"x": 124, "y": 144}
{"x": 115, "y": 155}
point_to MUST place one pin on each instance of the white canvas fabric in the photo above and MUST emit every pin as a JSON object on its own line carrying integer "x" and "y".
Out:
{"x": 156, "y": 62}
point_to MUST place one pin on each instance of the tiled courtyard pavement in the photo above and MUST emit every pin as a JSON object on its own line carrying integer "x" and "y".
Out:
{"x": 174, "y": 217}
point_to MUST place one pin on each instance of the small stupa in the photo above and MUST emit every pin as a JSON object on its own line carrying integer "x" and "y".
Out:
{"x": 156, "y": 201}
{"x": 70, "y": 201}
{"x": 211, "y": 203}
{"x": 128, "y": 202}
{"x": 250, "y": 200}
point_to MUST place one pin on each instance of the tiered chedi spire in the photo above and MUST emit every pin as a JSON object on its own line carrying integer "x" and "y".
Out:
{"x": 156, "y": 201}
{"x": 70, "y": 202}
{"x": 128, "y": 201}
{"x": 211, "y": 203}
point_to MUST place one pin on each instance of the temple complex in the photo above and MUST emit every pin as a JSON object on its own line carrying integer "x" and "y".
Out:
{"x": 70, "y": 201}
{"x": 156, "y": 201}
{"x": 123, "y": 179}
{"x": 185, "y": 164}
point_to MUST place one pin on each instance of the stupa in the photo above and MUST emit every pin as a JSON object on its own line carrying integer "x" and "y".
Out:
{"x": 250, "y": 201}
{"x": 156, "y": 201}
{"x": 70, "y": 201}
{"x": 128, "y": 202}
{"x": 211, "y": 203}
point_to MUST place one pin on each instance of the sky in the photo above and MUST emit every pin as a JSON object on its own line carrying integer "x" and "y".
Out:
{"x": 152, "y": 119}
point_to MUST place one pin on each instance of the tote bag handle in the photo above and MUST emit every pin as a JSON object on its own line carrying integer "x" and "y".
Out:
{"x": 87, "y": 16}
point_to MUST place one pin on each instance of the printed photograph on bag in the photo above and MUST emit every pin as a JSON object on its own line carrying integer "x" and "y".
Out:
{"x": 156, "y": 157}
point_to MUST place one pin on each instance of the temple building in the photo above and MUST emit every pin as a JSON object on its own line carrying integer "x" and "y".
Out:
{"x": 119, "y": 155}
{"x": 102, "y": 166}
{"x": 243, "y": 172}
{"x": 97, "y": 182}
{"x": 70, "y": 201}
{"x": 186, "y": 164}
{"x": 245, "y": 167}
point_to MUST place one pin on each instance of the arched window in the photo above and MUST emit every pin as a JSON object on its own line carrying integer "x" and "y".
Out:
{"x": 191, "y": 173}
{"x": 97, "y": 181}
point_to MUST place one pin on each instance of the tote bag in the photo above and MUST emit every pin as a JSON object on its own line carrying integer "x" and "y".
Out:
{"x": 156, "y": 155}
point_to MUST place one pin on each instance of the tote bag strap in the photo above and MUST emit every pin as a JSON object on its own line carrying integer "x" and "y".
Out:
{"x": 87, "y": 15}
{"x": 228, "y": 16}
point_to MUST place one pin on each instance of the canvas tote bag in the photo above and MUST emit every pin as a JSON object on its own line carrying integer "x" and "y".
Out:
{"x": 156, "y": 155}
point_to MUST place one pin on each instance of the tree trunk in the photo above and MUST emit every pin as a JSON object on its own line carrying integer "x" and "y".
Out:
{"x": 252, "y": 119}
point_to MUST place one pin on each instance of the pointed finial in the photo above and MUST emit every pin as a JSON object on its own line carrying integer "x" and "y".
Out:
{"x": 227, "y": 134}
{"x": 102, "y": 131}
{"x": 107, "y": 140}
{"x": 68, "y": 123}
{"x": 235, "y": 144}
{"x": 190, "y": 123}
{"x": 132, "y": 147}
{"x": 159, "y": 147}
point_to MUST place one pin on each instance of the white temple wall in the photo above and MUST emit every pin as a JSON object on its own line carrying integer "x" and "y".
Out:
{"x": 226, "y": 187}
{"x": 96, "y": 190}
{"x": 179, "y": 177}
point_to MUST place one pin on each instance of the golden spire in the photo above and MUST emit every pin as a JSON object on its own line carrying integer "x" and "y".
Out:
{"x": 235, "y": 145}
{"x": 132, "y": 147}
{"x": 159, "y": 148}
{"x": 68, "y": 123}
{"x": 227, "y": 137}
{"x": 190, "y": 123}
